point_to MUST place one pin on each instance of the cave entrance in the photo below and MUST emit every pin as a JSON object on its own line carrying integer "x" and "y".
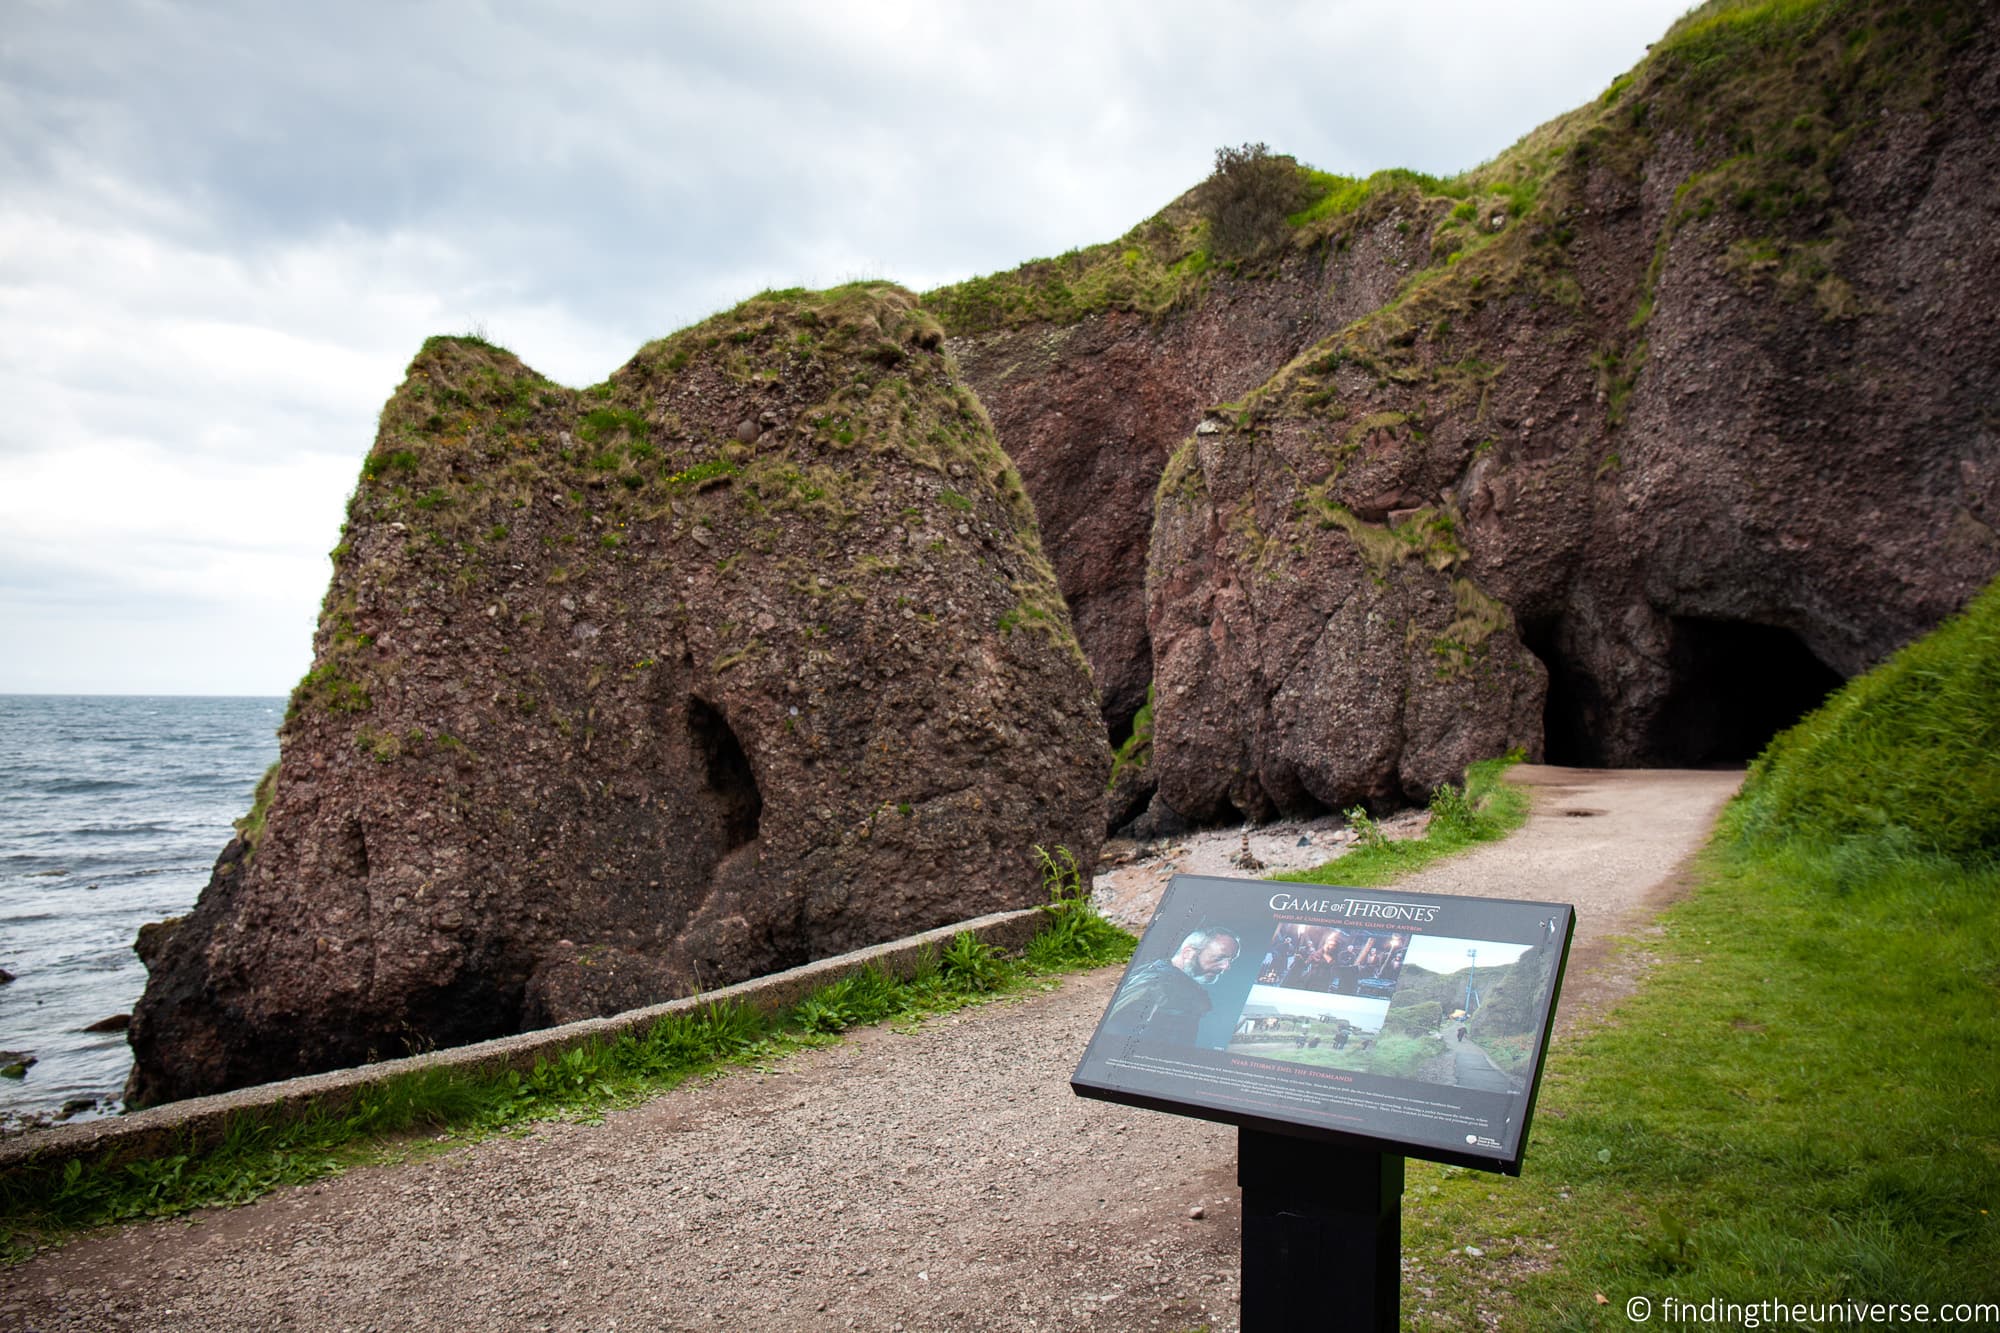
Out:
{"x": 1574, "y": 711}
{"x": 726, "y": 773}
{"x": 1734, "y": 685}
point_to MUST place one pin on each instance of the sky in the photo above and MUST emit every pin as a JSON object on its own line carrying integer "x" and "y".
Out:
{"x": 1437, "y": 953}
{"x": 226, "y": 228}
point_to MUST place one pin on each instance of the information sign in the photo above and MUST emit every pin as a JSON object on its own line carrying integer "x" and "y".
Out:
{"x": 1406, "y": 1023}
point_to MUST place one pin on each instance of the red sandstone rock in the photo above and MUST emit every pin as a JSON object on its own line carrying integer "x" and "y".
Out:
{"x": 1701, "y": 425}
{"x": 611, "y": 703}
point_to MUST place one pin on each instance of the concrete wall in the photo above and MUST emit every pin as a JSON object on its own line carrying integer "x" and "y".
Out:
{"x": 199, "y": 1122}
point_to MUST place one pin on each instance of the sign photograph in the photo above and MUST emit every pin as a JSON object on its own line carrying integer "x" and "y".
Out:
{"x": 1414, "y": 1023}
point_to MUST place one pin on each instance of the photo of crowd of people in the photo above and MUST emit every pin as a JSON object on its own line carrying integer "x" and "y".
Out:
{"x": 1333, "y": 961}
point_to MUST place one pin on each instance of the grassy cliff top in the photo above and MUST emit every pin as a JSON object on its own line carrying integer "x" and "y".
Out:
{"x": 1769, "y": 91}
{"x": 854, "y": 373}
{"x": 795, "y": 419}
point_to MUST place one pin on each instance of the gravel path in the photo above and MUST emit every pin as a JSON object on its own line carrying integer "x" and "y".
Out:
{"x": 938, "y": 1178}
{"x": 1612, "y": 843}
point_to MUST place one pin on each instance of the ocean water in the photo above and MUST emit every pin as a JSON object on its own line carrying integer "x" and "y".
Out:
{"x": 112, "y": 812}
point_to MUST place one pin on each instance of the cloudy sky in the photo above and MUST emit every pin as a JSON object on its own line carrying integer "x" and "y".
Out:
{"x": 224, "y": 229}
{"x": 1442, "y": 954}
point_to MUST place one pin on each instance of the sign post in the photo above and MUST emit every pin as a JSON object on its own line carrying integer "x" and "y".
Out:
{"x": 1341, "y": 1030}
{"x": 1322, "y": 1234}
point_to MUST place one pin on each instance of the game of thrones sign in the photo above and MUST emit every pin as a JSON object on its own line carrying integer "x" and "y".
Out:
{"x": 1408, "y": 1023}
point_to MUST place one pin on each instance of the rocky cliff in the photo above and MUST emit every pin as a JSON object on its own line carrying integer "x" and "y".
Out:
{"x": 1622, "y": 448}
{"x": 1090, "y": 408}
{"x": 746, "y": 656}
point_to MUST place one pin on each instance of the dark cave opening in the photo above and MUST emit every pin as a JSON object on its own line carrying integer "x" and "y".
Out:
{"x": 726, "y": 771}
{"x": 1124, "y": 711}
{"x": 1118, "y": 729}
{"x": 1573, "y": 712}
{"x": 1734, "y": 686}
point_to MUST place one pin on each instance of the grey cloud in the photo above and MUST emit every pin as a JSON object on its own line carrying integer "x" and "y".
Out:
{"x": 334, "y": 181}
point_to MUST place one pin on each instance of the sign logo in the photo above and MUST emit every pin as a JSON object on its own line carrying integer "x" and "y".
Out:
{"x": 1370, "y": 909}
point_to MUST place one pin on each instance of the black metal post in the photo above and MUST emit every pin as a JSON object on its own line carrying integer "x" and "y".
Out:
{"x": 1322, "y": 1235}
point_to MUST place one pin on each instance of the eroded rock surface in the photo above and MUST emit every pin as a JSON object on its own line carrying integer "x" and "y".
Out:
{"x": 1091, "y": 410}
{"x": 746, "y": 657}
{"x": 1661, "y": 425}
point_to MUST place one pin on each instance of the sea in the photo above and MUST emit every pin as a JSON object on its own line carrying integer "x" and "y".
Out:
{"x": 113, "y": 809}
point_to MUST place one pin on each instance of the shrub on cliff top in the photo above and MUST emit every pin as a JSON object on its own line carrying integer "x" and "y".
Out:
{"x": 1248, "y": 198}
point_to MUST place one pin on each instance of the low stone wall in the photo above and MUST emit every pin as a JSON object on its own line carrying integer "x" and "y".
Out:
{"x": 201, "y": 1121}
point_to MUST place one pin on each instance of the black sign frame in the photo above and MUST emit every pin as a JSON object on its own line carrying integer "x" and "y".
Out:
{"x": 1359, "y": 949}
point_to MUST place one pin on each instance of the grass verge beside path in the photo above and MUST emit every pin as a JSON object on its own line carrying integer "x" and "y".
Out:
{"x": 1799, "y": 1104}
{"x": 1802, "y": 1103}
{"x": 413, "y": 1113}
{"x": 1486, "y": 809}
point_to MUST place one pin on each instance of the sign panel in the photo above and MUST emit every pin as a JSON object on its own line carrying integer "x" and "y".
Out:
{"x": 1412, "y": 1023}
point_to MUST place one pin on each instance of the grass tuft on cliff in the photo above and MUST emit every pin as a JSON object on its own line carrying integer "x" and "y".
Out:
{"x": 1136, "y": 751}
{"x": 1799, "y": 1103}
{"x": 1157, "y": 266}
{"x": 251, "y": 826}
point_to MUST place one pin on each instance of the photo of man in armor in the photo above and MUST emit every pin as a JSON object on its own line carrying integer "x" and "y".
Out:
{"x": 1167, "y": 998}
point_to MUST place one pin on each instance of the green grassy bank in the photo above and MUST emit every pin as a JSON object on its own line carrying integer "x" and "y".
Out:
{"x": 1802, "y": 1101}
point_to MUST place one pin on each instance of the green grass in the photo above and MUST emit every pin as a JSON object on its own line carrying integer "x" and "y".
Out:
{"x": 1157, "y": 267}
{"x": 1485, "y": 809}
{"x": 414, "y": 1113}
{"x": 1341, "y": 196}
{"x": 1906, "y": 757}
{"x": 1802, "y": 1102}
{"x": 1137, "y": 751}
{"x": 251, "y": 826}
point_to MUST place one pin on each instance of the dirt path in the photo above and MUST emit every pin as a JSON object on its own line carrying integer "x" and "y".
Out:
{"x": 1612, "y": 843}
{"x": 943, "y": 1178}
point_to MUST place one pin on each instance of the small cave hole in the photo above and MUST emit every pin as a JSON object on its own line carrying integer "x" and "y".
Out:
{"x": 726, "y": 772}
{"x": 352, "y": 851}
